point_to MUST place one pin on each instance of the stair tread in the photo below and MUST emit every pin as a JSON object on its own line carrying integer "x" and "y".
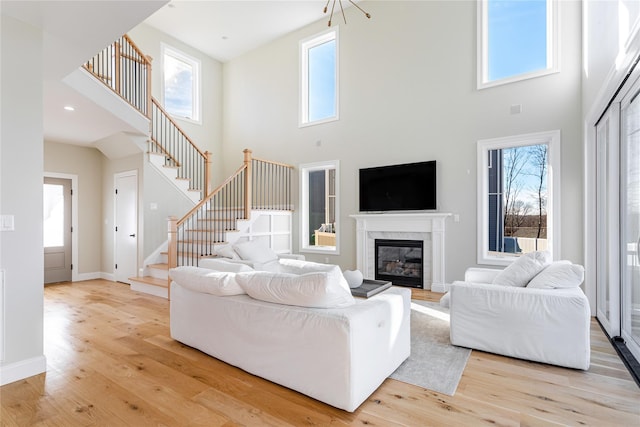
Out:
{"x": 160, "y": 266}
{"x": 151, "y": 281}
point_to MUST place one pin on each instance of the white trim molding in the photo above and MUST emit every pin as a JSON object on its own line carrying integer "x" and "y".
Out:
{"x": 552, "y": 139}
{"x": 13, "y": 372}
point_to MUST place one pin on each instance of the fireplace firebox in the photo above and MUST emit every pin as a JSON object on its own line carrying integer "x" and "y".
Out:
{"x": 400, "y": 262}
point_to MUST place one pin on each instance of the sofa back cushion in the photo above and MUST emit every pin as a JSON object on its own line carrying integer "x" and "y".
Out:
{"x": 523, "y": 269}
{"x": 558, "y": 275}
{"x": 222, "y": 265}
{"x": 255, "y": 251}
{"x": 294, "y": 266}
{"x": 319, "y": 289}
{"x": 208, "y": 281}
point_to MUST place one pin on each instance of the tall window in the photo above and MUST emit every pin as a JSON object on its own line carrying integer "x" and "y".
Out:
{"x": 181, "y": 88}
{"x": 517, "y": 40}
{"x": 319, "y": 78}
{"x": 517, "y": 200}
{"x": 319, "y": 183}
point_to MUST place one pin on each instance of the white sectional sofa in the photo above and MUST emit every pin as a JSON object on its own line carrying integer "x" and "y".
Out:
{"x": 336, "y": 355}
{"x": 545, "y": 321}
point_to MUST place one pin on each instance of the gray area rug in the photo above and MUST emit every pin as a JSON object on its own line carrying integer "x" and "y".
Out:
{"x": 434, "y": 363}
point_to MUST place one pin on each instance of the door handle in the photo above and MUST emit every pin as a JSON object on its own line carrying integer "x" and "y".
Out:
{"x": 132, "y": 235}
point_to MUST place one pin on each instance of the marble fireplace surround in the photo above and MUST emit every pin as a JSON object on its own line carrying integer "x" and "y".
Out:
{"x": 428, "y": 227}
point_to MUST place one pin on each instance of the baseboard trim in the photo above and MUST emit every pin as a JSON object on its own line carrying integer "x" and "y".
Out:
{"x": 23, "y": 369}
{"x": 108, "y": 276}
{"x": 88, "y": 276}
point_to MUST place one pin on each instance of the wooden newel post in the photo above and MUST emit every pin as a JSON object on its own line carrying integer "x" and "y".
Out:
{"x": 207, "y": 173}
{"x": 172, "y": 257}
{"x": 117, "y": 54}
{"x": 247, "y": 183}
{"x": 149, "y": 59}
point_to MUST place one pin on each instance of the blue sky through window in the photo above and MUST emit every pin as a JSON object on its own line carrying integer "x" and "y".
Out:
{"x": 322, "y": 81}
{"x": 178, "y": 87}
{"x": 517, "y": 37}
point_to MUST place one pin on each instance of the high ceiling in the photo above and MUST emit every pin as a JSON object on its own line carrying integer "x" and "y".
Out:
{"x": 227, "y": 29}
{"x": 73, "y": 31}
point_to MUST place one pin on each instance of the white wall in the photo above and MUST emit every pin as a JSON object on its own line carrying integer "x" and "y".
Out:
{"x": 167, "y": 201}
{"x": 407, "y": 93}
{"x": 21, "y": 169}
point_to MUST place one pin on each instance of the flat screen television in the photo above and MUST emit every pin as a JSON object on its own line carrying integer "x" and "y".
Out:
{"x": 405, "y": 187}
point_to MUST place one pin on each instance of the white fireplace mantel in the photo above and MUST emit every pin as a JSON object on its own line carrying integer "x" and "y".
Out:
{"x": 428, "y": 227}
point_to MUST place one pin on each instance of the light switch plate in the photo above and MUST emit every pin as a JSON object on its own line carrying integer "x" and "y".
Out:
{"x": 6, "y": 223}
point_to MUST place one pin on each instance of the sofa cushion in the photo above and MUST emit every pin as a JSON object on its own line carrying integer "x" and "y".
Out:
{"x": 227, "y": 251}
{"x": 523, "y": 269}
{"x": 222, "y": 265}
{"x": 560, "y": 274}
{"x": 294, "y": 266}
{"x": 204, "y": 280}
{"x": 319, "y": 290}
{"x": 256, "y": 251}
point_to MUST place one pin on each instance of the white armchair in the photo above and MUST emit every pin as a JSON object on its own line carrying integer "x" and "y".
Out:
{"x": 549, "y": 325}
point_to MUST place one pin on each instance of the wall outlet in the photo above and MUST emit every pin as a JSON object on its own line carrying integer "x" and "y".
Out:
{"x": 6, "y": 223}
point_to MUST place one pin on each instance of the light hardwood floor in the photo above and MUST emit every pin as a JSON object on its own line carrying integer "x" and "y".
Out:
{"x": 111, "y": 362}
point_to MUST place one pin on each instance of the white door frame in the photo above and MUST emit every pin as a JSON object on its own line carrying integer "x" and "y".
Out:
{"x": 74, "y": 218}
{"x": 117, "y": 175}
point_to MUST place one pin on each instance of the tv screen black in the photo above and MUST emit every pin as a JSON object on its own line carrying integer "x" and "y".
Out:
{"x": 405, "y": 187}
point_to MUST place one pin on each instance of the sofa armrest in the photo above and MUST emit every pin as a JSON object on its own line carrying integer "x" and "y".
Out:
{"x": 480, "y": 275}
{"x": 543, "y": 325}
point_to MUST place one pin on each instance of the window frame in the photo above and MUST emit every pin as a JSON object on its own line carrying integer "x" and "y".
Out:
{"x": 553, "y": 48}
{"x": 552, "y": 139}
{"x": 196, "y": 67}
{"x": 306, "y": 45}
{"x": 304, "y": 206}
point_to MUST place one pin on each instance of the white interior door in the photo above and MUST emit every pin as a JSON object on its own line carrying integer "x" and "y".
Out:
{"x": 126, "y": 226}
{"x": 56, "y": 229}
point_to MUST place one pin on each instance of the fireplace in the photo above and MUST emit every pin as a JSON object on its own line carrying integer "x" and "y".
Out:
{"x": 425, "y": 227}
{"x": 399, "y": 261}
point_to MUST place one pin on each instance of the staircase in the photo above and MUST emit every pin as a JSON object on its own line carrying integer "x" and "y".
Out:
{"x": 253, "y": 203}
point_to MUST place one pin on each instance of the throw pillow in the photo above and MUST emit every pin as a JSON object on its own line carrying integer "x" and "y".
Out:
{"x": 255, "y": 251}
{"x": 227, "y": 251}
{"x": 208, "y": 281}
{"x": 560, "y": 274}
{"x": 219, "y": 264}
{"x": 316, "y": 290}
{"x": 522, "y": 270}
{"x": 295, "y": 266}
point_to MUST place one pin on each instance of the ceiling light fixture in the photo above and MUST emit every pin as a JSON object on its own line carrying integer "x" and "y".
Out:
{"x": 69, "y": 108}
{"x": 333, "y": 6}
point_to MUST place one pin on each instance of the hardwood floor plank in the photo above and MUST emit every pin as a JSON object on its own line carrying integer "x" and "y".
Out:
{"x": 111, "y": 361}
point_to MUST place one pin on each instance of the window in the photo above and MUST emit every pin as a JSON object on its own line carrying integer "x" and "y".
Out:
{"x": 319, "y": 215}
{"x": 517, "y": 40}
{"x": 518, "y": 196}
{"x": 319, "y": 78}
{"x": 181, "y": 88}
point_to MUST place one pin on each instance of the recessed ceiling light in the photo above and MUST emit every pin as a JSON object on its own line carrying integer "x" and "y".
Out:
{"x": 69, "y": 108}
